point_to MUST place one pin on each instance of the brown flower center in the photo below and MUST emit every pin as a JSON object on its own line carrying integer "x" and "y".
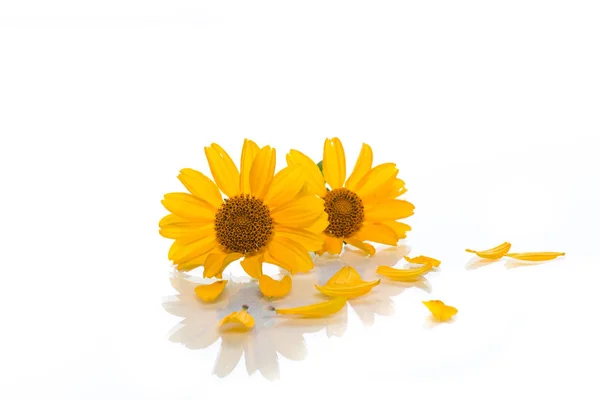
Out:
{"x": 243, "y": 224}
{"x": 345, "y": 212}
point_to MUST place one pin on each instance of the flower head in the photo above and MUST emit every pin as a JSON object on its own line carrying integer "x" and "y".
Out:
{"x": 265, "y": 217}
{"x": 364, "y": 207}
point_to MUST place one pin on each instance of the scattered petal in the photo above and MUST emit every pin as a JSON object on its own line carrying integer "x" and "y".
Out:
{"x": 494, "y": 253}
{"x": 315, "y": 310}
{"x": 347, "y": 283}
{"x": 439, "y": 310}
{"x": 540, "y": 256}
{"x": 404, "y": 275}
{"x": 345, "y": 276}
{"x": 210, "y": 292}
{"x": 423, "y": 260}
{"x": 239, "y": 319}
{"x": 270, "y": 287}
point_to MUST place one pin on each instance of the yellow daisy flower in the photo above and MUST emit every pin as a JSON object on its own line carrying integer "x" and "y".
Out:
{"x": 265, "y": 217}
{"x": 364, "y": 207}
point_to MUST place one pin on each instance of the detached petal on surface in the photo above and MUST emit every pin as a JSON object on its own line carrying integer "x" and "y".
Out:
{"x": 315, "y": 310}
{"x": 241, "y": 320}
{"x": 210, "y": 292}
{"x": 423, "y": 260}
{"x": 493, "y": 253}
{"x": 270, "y": 287}
{"x": 347, "y": 283}
{"x": 440, "y": 311}
{"x": 541, "y": 256}
{"x": 404, "y": 275}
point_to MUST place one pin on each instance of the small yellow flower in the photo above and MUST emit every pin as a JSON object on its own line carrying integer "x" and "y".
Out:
{"x": 492, "y": 254}
{"x": 265, "y": 217}
{"x": 323, "y": 309}
{"x": 347, "y": 283}
{"x": 363, "y": 207}
{"x": 423, "y": 260}
{"x": 541, "y": 256}
{"x": 440, "y": 311}
{"x": 270, "y": 287}
{"x": 210, "y": 292}
{"x": 404, "y": 275}
{"x": 241, "y": 320}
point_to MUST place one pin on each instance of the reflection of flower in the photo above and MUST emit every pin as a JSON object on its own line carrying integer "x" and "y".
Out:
{"x": 274, "y": 335}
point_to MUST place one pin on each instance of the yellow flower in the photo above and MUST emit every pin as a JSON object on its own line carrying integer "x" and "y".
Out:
{"x": 265, "y": 217}
{"x": 363, "y": 207}
{"x": 347, "y": 283}
{"x": 440, "y": 311}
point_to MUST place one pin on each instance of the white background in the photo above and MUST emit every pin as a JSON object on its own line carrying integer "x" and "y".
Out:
{"x": 489, "y": 108}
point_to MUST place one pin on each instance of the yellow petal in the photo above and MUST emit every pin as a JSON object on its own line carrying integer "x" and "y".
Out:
{"x": 270, "y": 287}
{"x": 290, "y": 255}
{"x": 320, "y": 224}
{"x": 312, "y": 173}
{"x": 316, "y": 310}
{"x": 285, "y": 186}
{"x": 334, "y": 163}
{"x": 239, "y": 319}
{"x": 333, "y": 245}
{"x": 377, "y": 233}
{"x": 193, "y": 263}
{"x": 493, "y": 253}
{"x": 209, "y": 293}
{"x": 189, "y": 207}
{"x": 345, "y": 276}
{"x": 348, "y": 291}
{"x": 300, "y": 213}
{"x": 362, "y": 166}
{"x": 253, "y": 265}
{"x": 223, "y": 170}
{"x": 375, "y": 178}
{"x": 194, "y": 249}
{"x": 404, "y": 275}
{"x": 366, "y": 247}
{"x": 217, "y": 261}
{"x": 439, "y": 310}
{"x": 390, "y": 210}
{"x": 539, "y": 256}
{"x": 249, "y": 152}
{"x": 201, "y": 186}
{"x": 309, "y": 240}
{"x": 187, "y": 229}
{"x": 262, "y": 171}
{"x": 399, "y": 228}
{"x": 423, "y": 260}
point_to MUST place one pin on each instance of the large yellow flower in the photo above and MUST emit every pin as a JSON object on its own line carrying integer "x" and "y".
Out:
{"x": 265, "y": 217}
{"x": 364, "y": 207}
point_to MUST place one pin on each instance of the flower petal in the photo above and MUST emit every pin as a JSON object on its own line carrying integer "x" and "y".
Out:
{"x": 334, "y": 163}
{"x": 312, "y": 173}
{"x": 440, "y": 311}
{"x": 345, "y": 276}
{"x": 194, "y": 249}
{"x": 309, "y": 240}
{"x": 217, "y": 261}
{"x": 189, "y": 207}
{"x": 285, "y": 186}
{"x": 377, "y": 233}
{"x": 404, "y": 275}
{"x": 253, "y": 265}
{"x": 423, "y": 260}
{"x": 201, "y": 186}
{"x": 300, "y": 213}
{"x": 290, "y": 255}
{"x": 193, "y": 263}
{"x": 261, "y": 173}
{"x": 270, "y": 287}
{"x": 399, "y": 228}
{"x": 209, "y": 293}
{"x": 362, "y": 166}
{"x": 187, "y": 229}
{"x": 333, "y": 245}
{"x": 249, "y": 152}
{"x": 366, "y": 247}
{"x": 240, "y": 319}
{"x": 390, "y": 210}
{"x": 315, "y": 310}
{"x": 493, "y": 253}
{"x": 223, "y": 170}
{"x": 375, "y": 178}
{"x": 348, "y": 291}
{"x": 539, "y": 256}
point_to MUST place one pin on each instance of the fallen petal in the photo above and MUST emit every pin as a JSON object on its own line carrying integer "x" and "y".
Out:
{"x": 346, "y": 275}
{"x": 210, "y": 292}
{"x": 270, "y": 287}
{"x": 494, "y": 253}
{"x": 404, "y": 275}
{"x": 316, "y": 310}
{"x": 540, "y": 256}
{"x": 440, "y": 311}
{"x": 423, "y": 260}
{"x": 348, "y": 291}
{"x": 239, "y": 319}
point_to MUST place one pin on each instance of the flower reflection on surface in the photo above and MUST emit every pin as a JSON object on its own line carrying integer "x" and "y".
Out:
{"x": 275, "y": 335}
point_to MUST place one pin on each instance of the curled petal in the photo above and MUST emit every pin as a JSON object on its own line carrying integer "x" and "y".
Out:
{"x": 209, "y": 293}
{"x": 366, "y": 247}
{"x": 539, "y": 256}
{"x": 439, "y": 310}
{"x": 404, "y": 275}
{"x": 239, "y": 319}
{"x": 423, "y": 260}
{"x": 348, "y": 291}
{"x": 315, "y": 310}
{"x": 494, "y": 253}
{"x": 270, "y": 287}
{"x": 345, "y": 276}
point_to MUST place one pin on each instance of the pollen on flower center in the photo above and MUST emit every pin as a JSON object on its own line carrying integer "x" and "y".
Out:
{"x": 243, "y": 224}
{"x": 345, "y": 212}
